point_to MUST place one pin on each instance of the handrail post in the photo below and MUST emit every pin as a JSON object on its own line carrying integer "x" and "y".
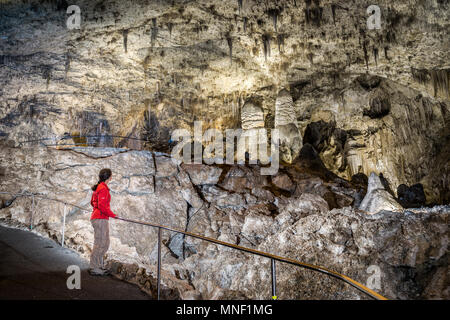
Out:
{"x": 32, "y": 213}
{"x": 159, "y": 261}
{"x": 63, "y": 227}
{"x": 274, "y": 279}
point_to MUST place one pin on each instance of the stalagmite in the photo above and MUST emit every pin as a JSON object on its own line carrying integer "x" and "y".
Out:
{"x": 378, "y": 198}
{"x": 252, "y": 116}
{"x": 286, "y": 123}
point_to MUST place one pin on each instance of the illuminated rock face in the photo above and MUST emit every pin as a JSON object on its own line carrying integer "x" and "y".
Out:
{"x": 141, "y": 69}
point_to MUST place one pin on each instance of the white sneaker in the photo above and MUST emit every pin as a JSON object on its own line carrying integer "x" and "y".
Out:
{"x": 98, "y": 272}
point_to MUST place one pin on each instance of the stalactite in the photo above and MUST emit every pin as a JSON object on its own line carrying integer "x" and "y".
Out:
{"x": 274, "y": 13}
{"x": 366, "y": 56}
{"x": 266, "y": 43}
{"x": 280, "y": 41}
{"x": 245, "y": 24}
{"x": 333, "y": 12}
{"x": 310, "y": 57}
{"x": 230, "y": 47}
{"x": 240, "y": 5}
{"x": 158, "y": 89}
{"x": 125, "y": 40}
{"x": 420, "y": 75}
{"x": 154, "y": 32}
{"x": 149, "y": 111}
{"x": 47, "y": 74}
{"x": 375, "y": 55}
{"x": 390, "y": 36}
{"x": 170, "y": 27}
{"x": 440, "y": 81}
{"x": 313, "y": 15}
{"x": 67, "y": 65}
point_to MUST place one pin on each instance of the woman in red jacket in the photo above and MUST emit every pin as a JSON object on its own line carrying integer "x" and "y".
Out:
{"x": 100, "y": 221}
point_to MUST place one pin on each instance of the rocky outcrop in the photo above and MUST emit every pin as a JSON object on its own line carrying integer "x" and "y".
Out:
{"x": 288, "y": 215}
{"x": 378, "y": 198}
{"x": 346, "y": 241}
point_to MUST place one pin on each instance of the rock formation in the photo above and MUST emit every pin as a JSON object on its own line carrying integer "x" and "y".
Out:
{"x": 378, "y": 198}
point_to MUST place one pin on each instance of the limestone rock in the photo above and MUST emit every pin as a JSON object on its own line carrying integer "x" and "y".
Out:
{"x": 283, "y": 181}
{"x": 202, "y": 174}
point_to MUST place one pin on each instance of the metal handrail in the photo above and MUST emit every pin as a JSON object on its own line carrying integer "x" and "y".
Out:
{"x": 273, "y": 257}
{"x": 66, "y": 137}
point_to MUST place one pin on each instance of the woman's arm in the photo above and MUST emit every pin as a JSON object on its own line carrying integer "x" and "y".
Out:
{"x": 103, "y": 204}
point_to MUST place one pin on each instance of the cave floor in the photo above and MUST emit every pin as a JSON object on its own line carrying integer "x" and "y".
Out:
{"x": 34, "y": 268}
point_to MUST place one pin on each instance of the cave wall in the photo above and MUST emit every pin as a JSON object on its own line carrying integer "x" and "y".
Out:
{"x": 143, "y": 68}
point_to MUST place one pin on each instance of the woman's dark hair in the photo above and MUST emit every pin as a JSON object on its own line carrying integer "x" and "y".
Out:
{"x": 104, "y": 175}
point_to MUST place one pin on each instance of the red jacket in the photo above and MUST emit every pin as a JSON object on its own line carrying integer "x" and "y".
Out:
{"x": 100, "y": 201}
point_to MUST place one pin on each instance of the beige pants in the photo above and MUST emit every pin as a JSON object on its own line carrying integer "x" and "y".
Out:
{"x": 101, "y": 242}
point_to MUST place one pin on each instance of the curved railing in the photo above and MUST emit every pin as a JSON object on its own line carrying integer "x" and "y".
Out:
{"x": 273, "y": 257}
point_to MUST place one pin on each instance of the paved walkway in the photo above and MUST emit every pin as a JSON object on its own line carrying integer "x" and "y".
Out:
{"x": 33, "y": 267}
